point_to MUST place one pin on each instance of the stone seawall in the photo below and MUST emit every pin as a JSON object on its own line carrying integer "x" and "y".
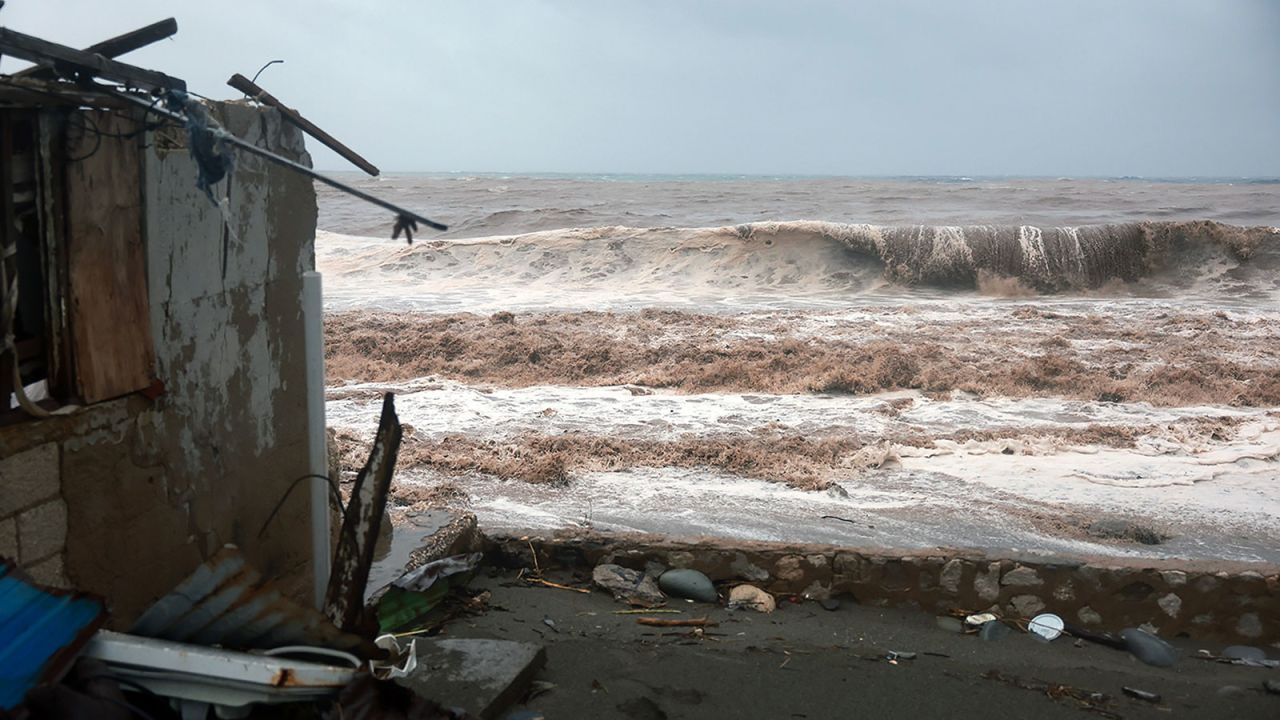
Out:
{"x": 1221, "y": 601}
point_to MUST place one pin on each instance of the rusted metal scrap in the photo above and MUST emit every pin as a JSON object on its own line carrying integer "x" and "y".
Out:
{"x": 344, "y": 600}
{"x": 253, "y": 90}
{"x": 227, "y": 602}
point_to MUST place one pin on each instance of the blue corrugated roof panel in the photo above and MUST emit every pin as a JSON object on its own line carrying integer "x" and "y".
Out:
{"x": 41, "y": 632}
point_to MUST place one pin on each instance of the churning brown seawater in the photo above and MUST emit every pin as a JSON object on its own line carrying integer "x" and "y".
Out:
{"x": 987, "y": 363}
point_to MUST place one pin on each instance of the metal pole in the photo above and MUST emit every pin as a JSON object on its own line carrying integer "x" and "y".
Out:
{"x": 254, "y": 149}
{"x": 317, "y": 437}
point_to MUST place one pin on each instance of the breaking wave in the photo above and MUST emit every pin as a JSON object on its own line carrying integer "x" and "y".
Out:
{"x": 799, "y": 256}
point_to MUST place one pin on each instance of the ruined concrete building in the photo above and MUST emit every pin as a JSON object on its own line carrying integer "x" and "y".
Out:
{"x": 157, "y": 410}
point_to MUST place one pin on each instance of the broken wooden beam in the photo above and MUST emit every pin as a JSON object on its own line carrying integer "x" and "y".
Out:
{"x": 116, "y": 46}
{"x": 45, "y": 53}
{"x": 254, "y": 91}
{"x": 344, "y": 599}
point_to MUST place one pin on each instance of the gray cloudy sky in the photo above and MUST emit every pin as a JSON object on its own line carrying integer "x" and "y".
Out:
{"x": 1045, "y": 87}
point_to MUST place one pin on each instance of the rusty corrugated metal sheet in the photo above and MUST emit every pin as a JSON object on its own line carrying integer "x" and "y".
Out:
{"x": 227, "y": 602}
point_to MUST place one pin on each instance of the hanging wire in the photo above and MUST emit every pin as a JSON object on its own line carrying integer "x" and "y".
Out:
{"x": 264, "y": 67}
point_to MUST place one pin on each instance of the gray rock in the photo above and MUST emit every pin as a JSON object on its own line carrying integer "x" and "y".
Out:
{"x": 1021, "y": 576}
{"x": 950, "y": 576}
{"x": 1272, "y": 686}
{"x": 629, "y": 586}
{"x": 1207, "y": 584}
{"x": 1027, "y": 605}
{"x": 1174, "y": 578}
{"x": 1089, "y": 616}
{"x": 994, "y": 630}
{"x": 829, "y": 604}
{"x": 1249, "y": 625}
{"x": 987, "y": 585}
{"x": 950, "y": 624}
{"x": 1170, "y": 604}
{"x": 746, "y": 570}
{"x": 1244, "y": 652}
{"x": 1148, "y": 648}
{"x": 483, "y": 677}
{"x": 689, "y": 584}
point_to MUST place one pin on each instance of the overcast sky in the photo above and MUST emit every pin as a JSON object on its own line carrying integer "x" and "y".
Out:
{"x": 1040, "y": 87}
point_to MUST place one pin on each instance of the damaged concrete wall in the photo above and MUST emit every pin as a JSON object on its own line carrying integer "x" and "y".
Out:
{"x": 139, "y": 492}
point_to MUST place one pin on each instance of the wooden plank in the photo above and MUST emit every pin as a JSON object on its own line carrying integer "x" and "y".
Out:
{"x": 344, "y": 600}
{"x": 116, "y": 46}
{"x": 110, "y": 314}
{"x": 43, "y": 52}
{"x": 248, "y": 87}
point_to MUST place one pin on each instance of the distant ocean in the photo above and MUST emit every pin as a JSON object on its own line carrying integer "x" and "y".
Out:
{"x": 981, "y": 362}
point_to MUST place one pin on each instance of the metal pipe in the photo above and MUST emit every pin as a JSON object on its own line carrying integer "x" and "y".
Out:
{"x": 297, "y": 167}
{"x": 317, "y": 437}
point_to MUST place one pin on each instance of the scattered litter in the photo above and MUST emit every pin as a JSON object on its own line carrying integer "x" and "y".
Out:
{"x": 1148, "y": 648}
{"x": 550, "y": 623}
{"x": 893, "y": 655}
{"x": 751, "y": 598}
{"x": 558, "y": 586}
{"x": 690, "y": 622}
{"x": 1091, "y": 700}
{"x": 647, "y": 611}
{"x": 196, "y": 676}
{"x": 1141, "y": 694}
{"x": 1046, "y": 626}
{"x": 980, "y": 619}
{"x": 688, "y": 584}
{"x": 421, "y": 579}
{"x": 403, "y": 660}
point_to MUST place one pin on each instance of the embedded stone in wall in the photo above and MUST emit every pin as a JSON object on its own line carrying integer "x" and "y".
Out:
{"x": 42, "y": 530}
{"x": 29, "y": 477}
{"x": 1207, "y": 584}
{"x": 1064, "y": 592}
{"x": 1249, "y": 625}
{"x": 1171, "y": 604}
{"x": 789, "y": 569}
{"x": 1174, "y": 578}
{"x": 747, "y": 570}
{"x": 680, "y": 559}
{"x": 1021, "y": 576}
{"x": 950, "y": 576}
{"x": 1089, "y": 616}
{"x": 987, "y": 584}
{"x": 1026, "y": 605}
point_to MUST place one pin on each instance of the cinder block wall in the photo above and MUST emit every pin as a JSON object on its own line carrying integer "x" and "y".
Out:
{"x": 33, "y": 515}
{"x": 124, "y": 498}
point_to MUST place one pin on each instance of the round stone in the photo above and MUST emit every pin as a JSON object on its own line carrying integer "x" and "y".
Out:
{"x": 688, "y": 584}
